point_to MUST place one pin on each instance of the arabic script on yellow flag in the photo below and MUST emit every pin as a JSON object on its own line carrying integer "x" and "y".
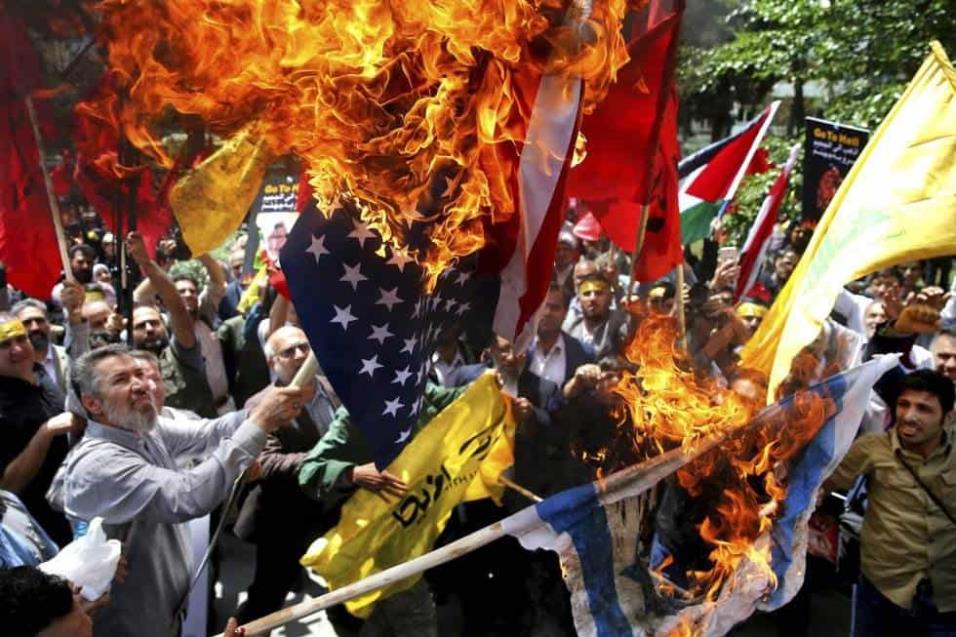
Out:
{"x": 438, "y": 466}
{"x": 898, "y": 203}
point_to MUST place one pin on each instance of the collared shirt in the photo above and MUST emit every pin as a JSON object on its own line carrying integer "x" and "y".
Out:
{"x": 905, "y": 537}
{"x": 551, "y": 365}
{"x": 213, "y": 363}
{"x": 50, "y": 364}
{"x": 442, "y": 370}
{"x": 133, "y": 482}
{"x": 23, "y": 542}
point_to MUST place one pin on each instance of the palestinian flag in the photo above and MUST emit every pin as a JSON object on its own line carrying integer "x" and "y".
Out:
{"x": 710, "y": 177}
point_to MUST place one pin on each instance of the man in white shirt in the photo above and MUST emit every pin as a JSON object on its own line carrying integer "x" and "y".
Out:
{"x": 554, "y": 355}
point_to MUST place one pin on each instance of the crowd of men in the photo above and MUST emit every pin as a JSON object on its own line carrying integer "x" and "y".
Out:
{"x": 147, "y": 421}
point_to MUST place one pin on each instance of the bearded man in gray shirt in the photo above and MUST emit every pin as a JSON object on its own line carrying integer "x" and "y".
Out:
{"x": 125, "y": 470}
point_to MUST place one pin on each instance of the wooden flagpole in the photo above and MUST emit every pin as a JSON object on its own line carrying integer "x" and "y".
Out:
{"x": 681, "y": 318}
{"x": 50, "y": 194}
{"x": 628, "y": 482}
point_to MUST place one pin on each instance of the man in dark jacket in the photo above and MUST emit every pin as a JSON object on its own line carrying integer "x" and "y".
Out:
{"x": 553, "y": 354}
{"x": 341, "y": 463}
{"x": 277, "y": 516}
{"x": 32, "y": 427}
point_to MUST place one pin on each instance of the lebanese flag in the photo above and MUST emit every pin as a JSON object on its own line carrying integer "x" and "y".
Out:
{"x": 758, "y": 239}
{"x": 28, "y": 245}
{"x": 632, "y": 150}
{"x": 710, "y": 177}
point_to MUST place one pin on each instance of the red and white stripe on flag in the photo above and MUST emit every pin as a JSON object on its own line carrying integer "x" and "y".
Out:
{"x": 542, "y": 168}
{"x": 758, "y": 239}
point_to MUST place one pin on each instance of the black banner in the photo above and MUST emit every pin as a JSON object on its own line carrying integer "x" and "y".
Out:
{"x": 278, "y": 193}
{"x": 829, "y": 151}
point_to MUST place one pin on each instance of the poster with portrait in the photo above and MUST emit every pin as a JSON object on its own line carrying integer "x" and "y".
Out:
{"x": 275, "y": 211}
{"x": 829, "y": 151}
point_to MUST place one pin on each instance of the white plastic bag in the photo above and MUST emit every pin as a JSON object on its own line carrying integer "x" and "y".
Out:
{"x": 89, "y": 562}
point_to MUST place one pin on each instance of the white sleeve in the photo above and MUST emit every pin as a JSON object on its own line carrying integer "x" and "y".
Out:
{"x": 853, "y": 307}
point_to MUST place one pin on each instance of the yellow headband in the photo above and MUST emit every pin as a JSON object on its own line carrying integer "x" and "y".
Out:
{"x": 593, "y": 286}
{"x": 656, "y": 293}
{"x": 751, "y": 310}
{"x": 11, "y": 329}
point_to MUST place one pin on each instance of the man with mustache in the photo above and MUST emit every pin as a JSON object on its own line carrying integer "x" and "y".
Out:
{"x": 599, "y": 326}
{"x": 180, "y": 357}
{"x": 54, "y": 358}
{"x": 126, "y": 470}
{"x": 33, "y": 427}
{"x": 908, "y": 542}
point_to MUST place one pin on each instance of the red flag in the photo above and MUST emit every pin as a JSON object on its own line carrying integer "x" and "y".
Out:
{"x": 28, "y": 243}
{"x": 623, "y": 170}
{"x": 97, "y": 174}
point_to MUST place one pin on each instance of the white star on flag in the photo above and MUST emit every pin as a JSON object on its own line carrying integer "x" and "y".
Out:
{"x": 353, "y": 274}
{"x": 380, "y": 333}
{"x": 361, "y": 233}
{"x": 389, "y": 298}
{"x": 317, "y": 249}
{"x": 410, "y": 344}
{"x": 402, "y": 375}
{"x": 369, "y": 365}
{"x": 463, "y": 278}
{"x": 400, "y": 258}
{"x": 343, "y": 316}
{"x": 464, "y": 307}
{"x": 403, "y": 436}
{"x": 392, "y": 407}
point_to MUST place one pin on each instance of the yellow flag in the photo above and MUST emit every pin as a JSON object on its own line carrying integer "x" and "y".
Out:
{"x": 438, "y": 465}
{"x": 898, "y": 203}
{"x": 212, "y": 200}
{"x": 499, "y": 459}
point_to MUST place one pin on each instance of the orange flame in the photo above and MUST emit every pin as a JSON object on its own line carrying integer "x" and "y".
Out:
{"x": 413, "y": 108}
{"x": 667, "y": 405}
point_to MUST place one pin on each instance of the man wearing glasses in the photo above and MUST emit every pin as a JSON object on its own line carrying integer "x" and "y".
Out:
{"x": 277, "y": 516}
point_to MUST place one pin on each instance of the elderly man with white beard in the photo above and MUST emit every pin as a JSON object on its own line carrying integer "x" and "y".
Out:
{"x": 125, "y": 470}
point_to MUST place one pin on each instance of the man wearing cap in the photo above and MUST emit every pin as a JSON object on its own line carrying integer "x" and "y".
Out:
{"x": 32, "y": 427}
{"x": 583, "y": 268}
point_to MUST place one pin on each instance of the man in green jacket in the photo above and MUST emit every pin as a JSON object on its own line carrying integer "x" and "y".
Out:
{"x": 337, "y": 466}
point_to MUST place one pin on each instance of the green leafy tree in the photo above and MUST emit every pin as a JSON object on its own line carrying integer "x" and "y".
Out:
{"x": 862, "y": 54}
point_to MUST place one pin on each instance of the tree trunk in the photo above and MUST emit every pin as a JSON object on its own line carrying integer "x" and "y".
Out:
{"x": 798, "y": 110}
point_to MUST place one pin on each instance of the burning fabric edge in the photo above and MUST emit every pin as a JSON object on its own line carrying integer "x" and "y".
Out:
{"x": 595, "y": 530}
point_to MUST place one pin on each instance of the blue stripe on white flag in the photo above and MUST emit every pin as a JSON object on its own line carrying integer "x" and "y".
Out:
{"x": 578, "y": 513}
{"x": 850, "y": 392}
